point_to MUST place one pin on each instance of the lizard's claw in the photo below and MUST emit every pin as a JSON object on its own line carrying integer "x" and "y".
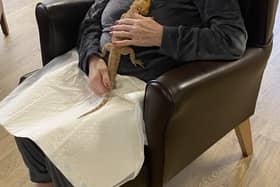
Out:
{"x": 138, "y": 62}
{"x": 106, "y": 48}
{"x": 129, "y": 51}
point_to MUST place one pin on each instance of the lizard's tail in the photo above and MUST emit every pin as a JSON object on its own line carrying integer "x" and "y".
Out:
{"x": 106, "y": 99}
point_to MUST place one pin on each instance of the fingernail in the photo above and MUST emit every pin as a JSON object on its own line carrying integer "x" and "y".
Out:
{"x": 107, "y": 85}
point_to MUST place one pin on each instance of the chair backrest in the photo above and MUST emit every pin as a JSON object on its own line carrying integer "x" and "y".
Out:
{"x": 259, "y": 17}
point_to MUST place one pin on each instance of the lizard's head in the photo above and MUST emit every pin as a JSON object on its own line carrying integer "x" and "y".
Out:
{"x": 142, "y": 6}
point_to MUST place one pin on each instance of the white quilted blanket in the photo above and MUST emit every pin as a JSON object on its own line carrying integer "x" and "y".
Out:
{"x": 102, "y": 149}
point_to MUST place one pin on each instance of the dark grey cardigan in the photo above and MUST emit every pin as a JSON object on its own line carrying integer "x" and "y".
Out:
{"x": 193, "y": 30}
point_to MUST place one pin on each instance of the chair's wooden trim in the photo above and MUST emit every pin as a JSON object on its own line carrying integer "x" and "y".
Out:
{"x": 244, "y": 135}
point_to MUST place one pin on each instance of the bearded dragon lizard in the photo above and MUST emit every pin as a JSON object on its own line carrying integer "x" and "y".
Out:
{"x": 138, "y": 6}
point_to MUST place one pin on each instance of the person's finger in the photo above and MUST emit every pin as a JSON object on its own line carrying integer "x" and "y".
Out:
{"x": 123, "y": 43}
{"x": 126, "y": 21}
{"x": 100, "y": 89}
{"x": 106, "y": 79}
{"x": 121, "y": 28}
{"x": 121, "y": 34}
{"x": 96, "y": 84}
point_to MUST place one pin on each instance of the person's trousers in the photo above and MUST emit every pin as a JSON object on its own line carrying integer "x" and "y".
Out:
{"x": 41, "y": 169}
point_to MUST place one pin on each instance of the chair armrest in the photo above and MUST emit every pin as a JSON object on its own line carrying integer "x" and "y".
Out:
{"x": 58, "y": 22}
{"x": 191, "y": 107}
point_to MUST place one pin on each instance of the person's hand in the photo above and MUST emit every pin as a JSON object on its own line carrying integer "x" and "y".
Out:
{"x": 138, "y": 31}
{"x": 99, "y": 80}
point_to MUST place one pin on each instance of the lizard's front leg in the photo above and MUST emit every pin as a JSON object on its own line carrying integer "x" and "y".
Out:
{"x": 106, "y": 48}
{"x": 129, "y": 51}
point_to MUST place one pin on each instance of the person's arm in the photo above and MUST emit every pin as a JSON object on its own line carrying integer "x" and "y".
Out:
{"x": 221, "y": 37}
{"x": 89, "y": 49}
{"x": 89, "y": 34}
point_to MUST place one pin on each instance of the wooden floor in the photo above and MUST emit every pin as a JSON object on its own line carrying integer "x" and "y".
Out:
{"x": 221, "y": 165}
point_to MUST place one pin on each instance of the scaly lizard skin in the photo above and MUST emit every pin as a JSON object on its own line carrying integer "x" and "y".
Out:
{"x": 138, "y": 6}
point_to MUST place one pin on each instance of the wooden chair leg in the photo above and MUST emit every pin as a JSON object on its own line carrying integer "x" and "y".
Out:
{"x": 4, "y": 24}
{"x": 243, "y": 133}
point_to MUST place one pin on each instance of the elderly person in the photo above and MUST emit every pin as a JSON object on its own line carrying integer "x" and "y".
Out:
{"x": 175, "y": 32}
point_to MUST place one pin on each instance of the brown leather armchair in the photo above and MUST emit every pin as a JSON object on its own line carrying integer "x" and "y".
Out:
{"x": 189, "y": 108}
